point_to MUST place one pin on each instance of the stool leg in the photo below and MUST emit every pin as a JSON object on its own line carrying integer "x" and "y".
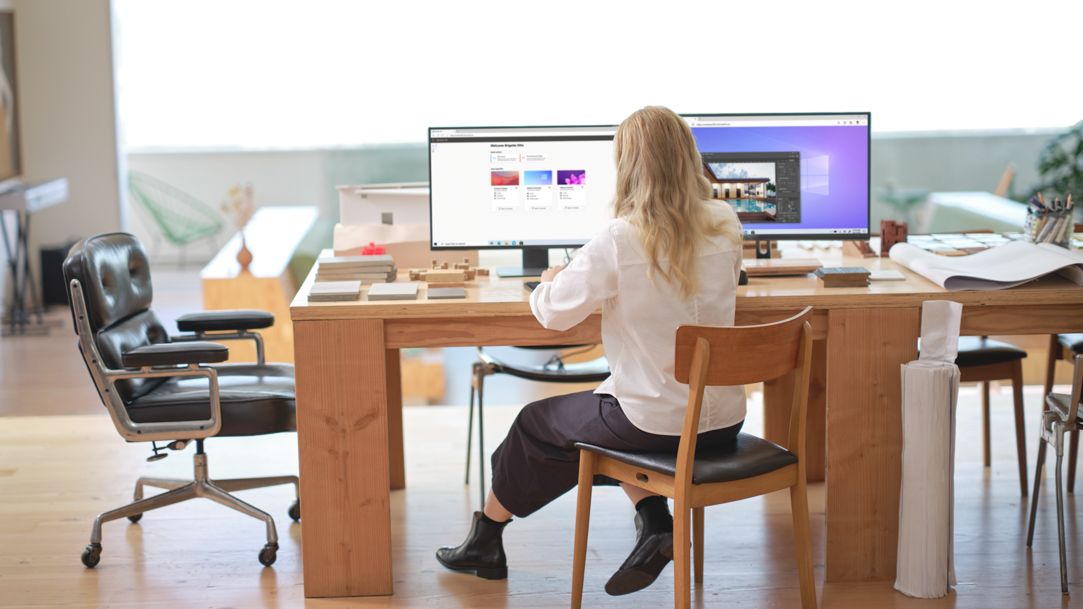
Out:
{"x": 1020, "y": 426}
{"x": 1073, "y": 452}
{"x": 985, "y": 422}
{"x": 682, "y": 586}
{"x": 469, "y": 431}
{"x": 1037, "y": 486}
{"x": 1060, "y": 514}
{"x": 481, "y": 444}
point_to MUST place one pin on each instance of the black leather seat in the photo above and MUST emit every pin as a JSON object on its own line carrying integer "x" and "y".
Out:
{"x": 159, "y": 387}
{"x": 747, "y": 457}
{"x": 981, "y": 351}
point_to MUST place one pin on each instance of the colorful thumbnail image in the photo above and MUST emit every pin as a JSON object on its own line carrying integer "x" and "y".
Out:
{"x": 538, "y": 178}
{"x": 577, "y": 176}
{"x": 505, "y": 178}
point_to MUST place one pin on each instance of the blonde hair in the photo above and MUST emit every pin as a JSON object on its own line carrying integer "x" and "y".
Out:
{"x": 662, "y": 192}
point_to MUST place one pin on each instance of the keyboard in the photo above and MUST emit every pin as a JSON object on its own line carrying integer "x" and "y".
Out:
{"x": 530, "y": 285}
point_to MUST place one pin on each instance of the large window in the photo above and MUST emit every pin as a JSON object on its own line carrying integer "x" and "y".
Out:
{"x": 263, "y": 74}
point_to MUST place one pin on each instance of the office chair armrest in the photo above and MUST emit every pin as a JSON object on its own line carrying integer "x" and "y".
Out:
{"x": 224, "y": 321}
{"x": 175, "y": 354}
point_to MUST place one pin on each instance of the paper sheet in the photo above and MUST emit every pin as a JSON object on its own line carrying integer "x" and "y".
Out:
{"x": 930, "y": 389}
{"x": 1003, "y": 266}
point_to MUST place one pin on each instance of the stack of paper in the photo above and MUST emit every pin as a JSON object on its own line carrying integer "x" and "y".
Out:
{"x": 393, "y": 291}
{"x": 334, "y": 291}
{"x": 925, "y": 566}
{"x": 366, "y": 269}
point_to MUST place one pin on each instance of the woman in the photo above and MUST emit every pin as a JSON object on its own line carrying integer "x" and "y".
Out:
{"x": 671, "y": 256}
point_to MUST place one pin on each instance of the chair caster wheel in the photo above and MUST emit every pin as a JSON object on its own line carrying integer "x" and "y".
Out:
{"x": 295, "y": 511}
{"x": 136, "y": 518}
{"x": 268, "y": 554}
{"x": 93, "y": 553}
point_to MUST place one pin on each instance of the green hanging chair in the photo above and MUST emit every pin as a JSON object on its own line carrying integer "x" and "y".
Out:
{"x": 179, "y": 217}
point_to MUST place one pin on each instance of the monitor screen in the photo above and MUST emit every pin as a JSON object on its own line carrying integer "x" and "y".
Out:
{"x": 519, "y": 187}
{"x": 789, "y": 176}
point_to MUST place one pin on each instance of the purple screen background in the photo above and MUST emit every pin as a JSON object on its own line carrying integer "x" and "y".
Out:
{"x": 846, "y": 149}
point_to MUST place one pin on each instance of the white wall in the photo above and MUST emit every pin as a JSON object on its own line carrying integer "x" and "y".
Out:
{"x": 68, "y": 114}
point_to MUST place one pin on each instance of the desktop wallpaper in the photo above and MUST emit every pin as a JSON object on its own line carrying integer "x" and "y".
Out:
{"x": 834, "y": 168}
{"x": 538, "y": 178}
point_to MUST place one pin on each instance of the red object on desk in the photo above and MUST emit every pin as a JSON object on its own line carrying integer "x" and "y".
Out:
{"x": 373, "y": 250}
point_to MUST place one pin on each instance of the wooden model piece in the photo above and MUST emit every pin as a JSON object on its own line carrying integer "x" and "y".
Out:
{"x": 446, "y": 284}
{"x": 891, "y": 232}
{"x": 417, "y": 275}
{"x": 442, "y": 275}
{"x": 860, "y": 249}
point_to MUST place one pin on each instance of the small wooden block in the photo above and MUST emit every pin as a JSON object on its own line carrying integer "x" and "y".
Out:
{"x": 444, "y": 276}
{"x": 393, "y": 291}
{"x": 417, "y": 276}
{"x": 442, "y": 293}
{"x": 462, "y": 265}
{"x": 482, "y": 272}
{"x": 469, "y": 274}
{"x": 434, "y": 265}
{"x": 447, "y": 284}
{"x": 444, "y": 265}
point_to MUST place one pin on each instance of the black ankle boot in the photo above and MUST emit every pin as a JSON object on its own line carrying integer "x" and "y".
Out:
{"x": 482, "y": 553}
{"x": 653, "y": 549}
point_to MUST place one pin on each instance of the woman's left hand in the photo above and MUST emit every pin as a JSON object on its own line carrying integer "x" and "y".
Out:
{"x": 551, "y": 272}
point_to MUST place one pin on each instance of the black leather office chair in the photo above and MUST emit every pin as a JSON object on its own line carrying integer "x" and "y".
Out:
{"x": 553, "y": 371}
{"x": 158, "y": 388}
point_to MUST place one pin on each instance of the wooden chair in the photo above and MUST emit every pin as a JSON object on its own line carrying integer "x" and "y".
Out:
{"x": 1064, "y": 347}
{"x": 982, "y": 360}
{"x": 747, "y": 468}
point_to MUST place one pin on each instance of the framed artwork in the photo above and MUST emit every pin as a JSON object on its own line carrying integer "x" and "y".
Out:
{"x": 10, "y": 159}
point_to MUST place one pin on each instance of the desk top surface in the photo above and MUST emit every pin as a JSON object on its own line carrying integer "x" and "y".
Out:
{"x": 495, "y": 296}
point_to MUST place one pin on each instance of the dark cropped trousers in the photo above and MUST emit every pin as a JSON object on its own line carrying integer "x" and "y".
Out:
{"x": 539, "y": 462}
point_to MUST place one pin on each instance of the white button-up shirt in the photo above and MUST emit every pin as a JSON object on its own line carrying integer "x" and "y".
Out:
{"x": 639, "y": 323}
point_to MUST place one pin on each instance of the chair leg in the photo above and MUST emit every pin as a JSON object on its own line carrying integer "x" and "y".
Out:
{"x": 985, "y": 423}
{"x": 1073, "y": 452}
{"x": 481, "y": 445}
{"x": 170, "y": 497}
{"x": 682, "y": 586}
{"x": 1020, "y": 426}
{"x": 587, "y": 460}
{"x": 1051, "y": 365}
{"x": 166, "y": 483}
{"x": 469, "y": 431}
{"x": 1060, "y": 516}
{"x": 803, "y": 541}
{"x": 1037, "y": 486}
{"x": 212, "y": 492}
{"x": 697, "y": 545}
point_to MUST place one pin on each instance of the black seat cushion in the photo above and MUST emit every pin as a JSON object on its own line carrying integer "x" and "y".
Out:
{"x": 746, "y": 457}
{"x": 594, "y": 371}
{"x": 1072, "y": 342}
{"x": 253, "y": 401}
{"x": 977, "y": 351}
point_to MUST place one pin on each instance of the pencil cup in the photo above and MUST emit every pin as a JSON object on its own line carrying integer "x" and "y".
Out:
{"x": 1049, "y": 227}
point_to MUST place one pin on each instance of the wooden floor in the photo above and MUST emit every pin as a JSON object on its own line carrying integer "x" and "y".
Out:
{"x": 57, "y": 473}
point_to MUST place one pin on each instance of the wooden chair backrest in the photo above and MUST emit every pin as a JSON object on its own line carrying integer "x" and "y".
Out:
{"x": 739, "y": 355}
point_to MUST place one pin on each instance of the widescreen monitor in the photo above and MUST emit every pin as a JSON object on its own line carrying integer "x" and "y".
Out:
{"x": 788, "y": 176}
{"x": 528, "y": 188}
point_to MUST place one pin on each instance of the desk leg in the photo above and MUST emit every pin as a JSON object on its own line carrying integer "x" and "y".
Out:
{"x": 342, "y": 427}
{"x": 778, "y": 402}
{"x": 396, "y": 456}
{"x": 866, "y": 347}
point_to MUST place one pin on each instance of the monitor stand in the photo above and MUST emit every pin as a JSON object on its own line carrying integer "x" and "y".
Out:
{"x": 535, "y": 261}
{"x": 763, "y": 248}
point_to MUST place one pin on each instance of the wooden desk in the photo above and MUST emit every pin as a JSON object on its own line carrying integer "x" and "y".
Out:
{"x": 350, "y": 426}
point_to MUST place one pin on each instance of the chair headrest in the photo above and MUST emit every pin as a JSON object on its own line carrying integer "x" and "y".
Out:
{"x": 114, "y": 274}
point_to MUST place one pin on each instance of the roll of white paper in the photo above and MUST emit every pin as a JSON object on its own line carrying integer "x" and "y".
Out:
{"x": 926, "y": 565}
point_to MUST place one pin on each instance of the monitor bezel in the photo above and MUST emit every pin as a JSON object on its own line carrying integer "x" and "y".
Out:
{"x": 498, "y": 247}
{"x": 868, "y": 182}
